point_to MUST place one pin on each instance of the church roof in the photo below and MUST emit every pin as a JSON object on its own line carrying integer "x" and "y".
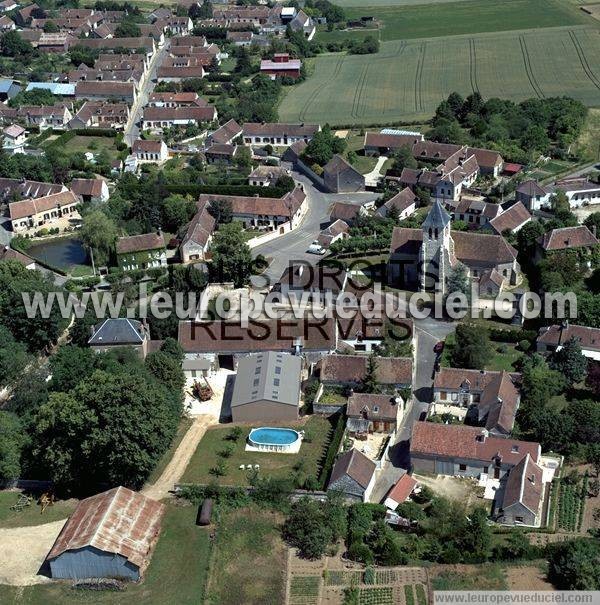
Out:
{"x": 437, "y": 217}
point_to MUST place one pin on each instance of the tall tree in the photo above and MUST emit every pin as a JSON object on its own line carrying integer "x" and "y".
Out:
{"x": 12, "y": 440}
{"x": 231, "y": 256}
{"x": 99, "y": 232}
{"x": 472, "y": 348}
{"x": 570, "y": 361}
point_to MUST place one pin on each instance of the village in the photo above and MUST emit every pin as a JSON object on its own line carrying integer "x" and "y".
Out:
{"x": 327, "y": 451}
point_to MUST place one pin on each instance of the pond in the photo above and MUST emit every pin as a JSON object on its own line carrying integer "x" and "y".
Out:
{"x": 62, "y": 253}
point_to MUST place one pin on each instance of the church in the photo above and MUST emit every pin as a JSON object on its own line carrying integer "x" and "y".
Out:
{"x": 424, "y": 258}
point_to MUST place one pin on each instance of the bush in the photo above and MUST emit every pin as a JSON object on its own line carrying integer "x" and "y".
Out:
{"x": 334, "y": 446}
{"x": 360, "y": 552}
{"x": 524, "y": 345}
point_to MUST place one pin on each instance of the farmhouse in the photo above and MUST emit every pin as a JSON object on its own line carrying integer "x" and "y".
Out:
{"x": 106, "y": 91}
{"x": 120, "y": 332}
{"x": 424, "y": 256}
{"x": 277, "y": 133}
{"x": 144, "y": 251}
{"x": 176, "y": 99}
{"x": 580, "y": 191}
{"x": 341, "y": 177}
{"x": 511, "y": 220}
{"x": 198, "y": 236}
{"x": 226, "y": 134}
{"x": 155, "y": 152}
{"x": 156, "y": 118}
{"x": 347, "y": 212}
{"x": 566, "y": 238}
{"x": 265, "y": 176}
{"x": 492, "y": 397}
{"x": 228, "y": 340}
{"x": 267, "y": 388}
{"x": 523, "y": 498}
{"x": 354, "y": 475}
{"x": 274, "y": 214}
{"x": 18, "y": 189}
{"x": 405, "y": 204}
{"x": 373, "y": 413}
{"x": 552, "y": 338}
{"x": 7, "y": 253}
{"x": 100, "y": 114}
{"x": 336, "y": 231}
{"x": 90, "y": 190}
{"x": 303, "y": 23}
{"x": 466, "y": 451}
{"x": 533, "y": 195}
{"x": 109, "y": 535}
{"x": 47, "y": 211}
{"x": 350, "y": 370}
{"x": 377, "y": 143}
{"x": 281, "y": 67}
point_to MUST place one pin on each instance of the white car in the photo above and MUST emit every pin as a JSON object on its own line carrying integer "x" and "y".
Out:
{"x": 316, "y": 248}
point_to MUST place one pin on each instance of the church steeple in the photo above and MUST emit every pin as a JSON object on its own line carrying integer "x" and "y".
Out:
{"x": 437, "y": 217}
{"x": 436, "y": 251}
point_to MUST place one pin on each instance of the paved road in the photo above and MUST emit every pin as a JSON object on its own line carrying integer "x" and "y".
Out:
{"x": 132, "y": 130}
{"x": 293, "y": 245}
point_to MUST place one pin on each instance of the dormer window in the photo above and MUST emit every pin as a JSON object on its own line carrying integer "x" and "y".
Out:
{"x": 514, "y": 449}
{"x": 376, "y": 409}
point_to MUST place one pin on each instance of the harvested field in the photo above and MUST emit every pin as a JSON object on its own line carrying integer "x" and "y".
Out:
{"x": 406, "y": 80}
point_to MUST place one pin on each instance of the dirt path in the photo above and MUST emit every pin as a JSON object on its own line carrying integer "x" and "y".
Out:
{"x": 178, "y": 463}
{"x": 23, "y": 550}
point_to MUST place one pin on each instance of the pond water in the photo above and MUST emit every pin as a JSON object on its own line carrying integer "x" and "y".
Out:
{"x": 60, "y": 253}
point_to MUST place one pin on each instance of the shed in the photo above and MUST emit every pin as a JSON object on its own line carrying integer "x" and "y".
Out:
{"x": 109, "y": 535}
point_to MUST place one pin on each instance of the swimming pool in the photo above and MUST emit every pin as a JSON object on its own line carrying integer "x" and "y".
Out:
{"x": 274, "y": 439}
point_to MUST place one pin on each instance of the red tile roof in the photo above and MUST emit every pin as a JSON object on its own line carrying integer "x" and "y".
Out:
{"x": 513, "y": 218}
{"x": 91, "y": 187}
{"x": 589, "y": 338}
{"x": 140, "y": 243}
{"x": 568, "y": 237}
{"x": 467, "y": 442}
{"x": 403, "y": 489}
{"x": 119, "y": 521}
{"x": 354, "y": 464}
{"x": 524, "y": 485}
{"x": 30, "y": 207}
{"x": 353, "y": 369}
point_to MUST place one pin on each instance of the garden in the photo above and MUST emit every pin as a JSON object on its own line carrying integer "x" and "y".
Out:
{"x": 571, "y": 502}
{"x": 222, "y": 452}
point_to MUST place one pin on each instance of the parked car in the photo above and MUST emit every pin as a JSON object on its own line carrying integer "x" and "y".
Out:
{"x": 316, "y": 248}
{"x": 438, "y": 347}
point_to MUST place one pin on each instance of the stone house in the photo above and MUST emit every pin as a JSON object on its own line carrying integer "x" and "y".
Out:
{"x": 373, "y": 413}
{"x": 146, "y": 251}
{"x": 354, "y": 475}
{"x": 340, "y": 177}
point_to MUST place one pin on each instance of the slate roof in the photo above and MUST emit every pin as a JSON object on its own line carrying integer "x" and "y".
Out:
{"x": 140, "y": 243}
{"x": 467, "y": 442}
{"x": 524, "y": 485}
{"x": 437, "y": 217}
{"x": 338, "y": 164}
{"x": 513, "y": 218}
{"x": 119, "y": 521}
{"x": 269, "y": 376}
{"x": 118, "y": 331}
{"x": 354, "y": 464}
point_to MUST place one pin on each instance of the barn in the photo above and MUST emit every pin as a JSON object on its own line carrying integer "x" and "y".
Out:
{"x": 109, "y": 535}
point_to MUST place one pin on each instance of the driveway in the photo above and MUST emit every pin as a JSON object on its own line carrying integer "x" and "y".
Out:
{"x": 372, "y": 178}
{"x": 293, "y": 245}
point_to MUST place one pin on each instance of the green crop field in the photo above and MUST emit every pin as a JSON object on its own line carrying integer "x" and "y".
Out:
{"x": 406, "y": 80}
{"x": 403, "y": 22}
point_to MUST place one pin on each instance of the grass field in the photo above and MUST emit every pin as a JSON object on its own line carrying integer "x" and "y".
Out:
{"x": 248, "y": 563}
{"x": 406, "y": 80}
{"x": 31, "y": 515}
{"x": 271, "y": 464}
{"x": 469, "y": 17}
{"x": 177, "y": 572}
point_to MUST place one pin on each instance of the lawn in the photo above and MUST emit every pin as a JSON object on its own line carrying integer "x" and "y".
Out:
{"x": 248, "y": 563}
{"x": 177, "y": 572}
{"x": 31, "y": 515}
{"x": 307, "y": 462}
{"x": 588, "y": 145}
{"x": 407, "y": 79}
{"x": 364, "y": 164}
{"x": 490, "y": 576}
{"x": 505, "y": 357}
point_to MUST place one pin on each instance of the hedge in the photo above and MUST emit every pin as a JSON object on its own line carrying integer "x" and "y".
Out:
{"x": 95, "y": 132}
{"x": 334, "y": 446}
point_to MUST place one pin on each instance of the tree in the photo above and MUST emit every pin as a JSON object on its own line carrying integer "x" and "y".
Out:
{"x": 448, "y": 131}
{"x": 575, "y": 565}
{"x": 103, "y": 431}
{"x": 472, "y": 348}
{"x": 458, "y": 282}
{"x": 12, "y": 440}
{"x": 369, "y": 383}
{"x": 592, "y": 222}
{"x": 167, "y": 369}
{"x": 14, "y": 358}
{"x": 552, "y": 429}
{"x": 306, "y": 529}
{"x": 539, "y": 383}
{"x": 243, "y": 158}
{"x": 99, "y": 232}
{"x": 221, "y": 210}
{"x": 172, "y": 348}
{"x": 12, "y": 45}
{"x": 517, "y": 545}
{"x": 592, "y": 379}
{"x": 50, "y": 27}
{"x": 37, "y": 96}
{"x": 403, "y": 158}
{"x": 69, "y": 365}
{"x": 323, "y": 146}
{"x": 231, "y": 256}
{"x": 570, "y": 361}
{"x": 128, "y": 29}
{"x": 177, "y": 212}
{"x": 535, "y": 139}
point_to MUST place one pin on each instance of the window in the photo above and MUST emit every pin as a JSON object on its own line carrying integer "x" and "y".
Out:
{"x": 454, "y": 396}
{"x": 514, "y": 449}
{"x": 443, "y": 395}
{"x": 485, "y": 469}
{"x": 276, "y": 382}
{"x": 519, "y": 520}
{"x": 256, "y": 381}
{"x": 462, "y": 467}
{"x": 278, "y": 370}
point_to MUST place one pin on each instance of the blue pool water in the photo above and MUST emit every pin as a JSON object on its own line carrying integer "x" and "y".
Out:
{"x": 273, "y": 436}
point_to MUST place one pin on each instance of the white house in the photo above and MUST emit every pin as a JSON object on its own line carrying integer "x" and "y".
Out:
{"x": 14, "y": 137}
{"x": 155, "y": 152}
